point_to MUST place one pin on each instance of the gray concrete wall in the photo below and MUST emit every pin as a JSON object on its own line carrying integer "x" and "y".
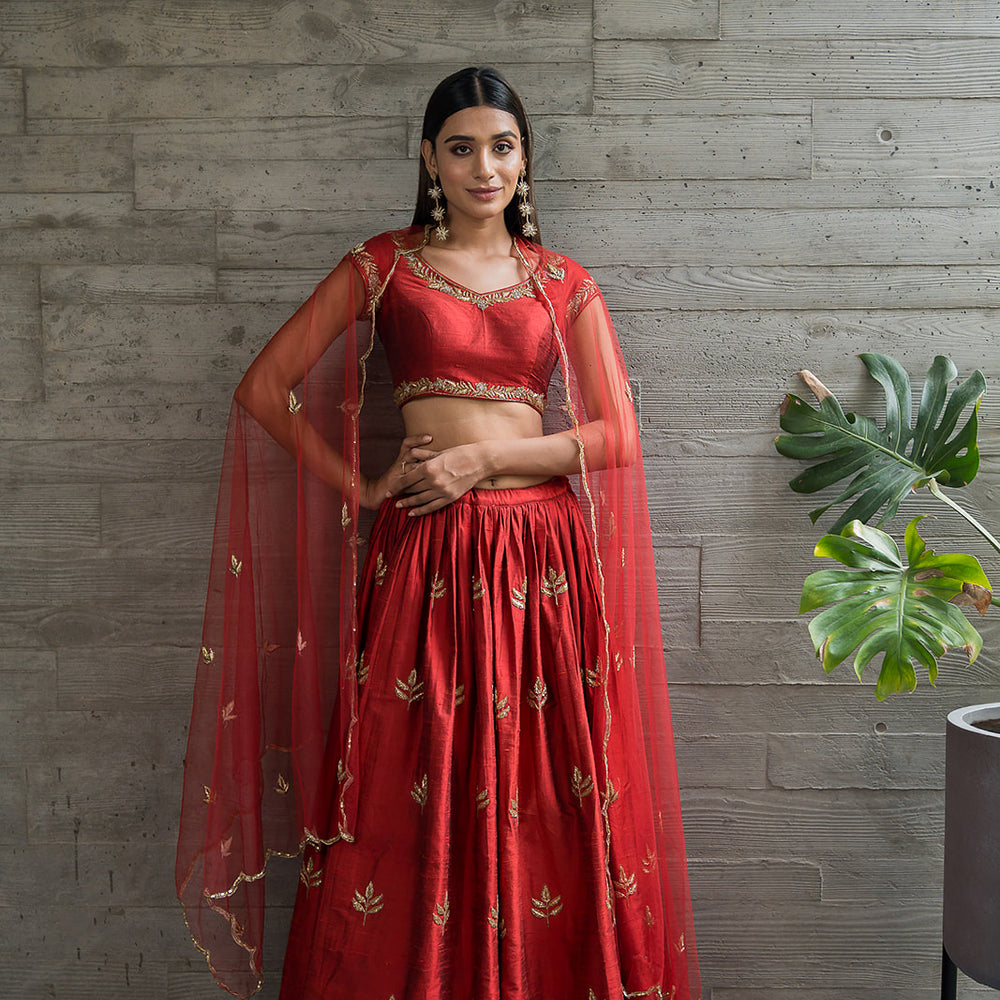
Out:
{"x": 773, "y": 185}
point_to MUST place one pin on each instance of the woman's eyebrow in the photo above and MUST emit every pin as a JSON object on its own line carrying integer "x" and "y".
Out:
{"x": 469, "y": 138}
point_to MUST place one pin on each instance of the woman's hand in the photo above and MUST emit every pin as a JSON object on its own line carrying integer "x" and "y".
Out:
{"x": 439, "y": 477}
{"x": 374, "y": 491}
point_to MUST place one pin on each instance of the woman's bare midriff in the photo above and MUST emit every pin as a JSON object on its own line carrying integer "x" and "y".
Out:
{"x": 452, "y": 421}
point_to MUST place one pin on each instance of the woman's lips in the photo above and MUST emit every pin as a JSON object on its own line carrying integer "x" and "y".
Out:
{"x": 484, "y": 194}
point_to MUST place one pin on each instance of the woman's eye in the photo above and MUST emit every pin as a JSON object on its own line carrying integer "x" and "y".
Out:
{"x": 460, "y": 149}
{"x": 503, "y": 147}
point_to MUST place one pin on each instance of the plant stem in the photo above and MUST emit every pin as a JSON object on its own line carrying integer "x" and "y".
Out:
{"x": 932, "y": 485}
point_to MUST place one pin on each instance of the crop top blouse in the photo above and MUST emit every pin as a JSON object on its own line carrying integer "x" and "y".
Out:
{"x": 442, "y": 339}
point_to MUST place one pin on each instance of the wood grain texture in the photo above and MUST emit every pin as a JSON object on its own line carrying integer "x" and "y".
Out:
{"x": 65, "y": 163}
{"x": 822, "y": 69}
{"x": 11, "y": 101}
{"x": 28, "y": 679}
{"x": 147, "y": 32}
{"x": 859, "y": 19}
{"x": 35, "y": 516}
{"x": 21, "y": 374}
{"x": 656, "y": 18}
{"x": 128, "y": 283}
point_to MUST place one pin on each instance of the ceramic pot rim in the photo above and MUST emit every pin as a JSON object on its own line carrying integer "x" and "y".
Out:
{"x": 964, "y": 718}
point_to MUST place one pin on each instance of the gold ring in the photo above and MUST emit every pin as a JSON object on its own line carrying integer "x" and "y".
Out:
{"x": 403, "y": 465}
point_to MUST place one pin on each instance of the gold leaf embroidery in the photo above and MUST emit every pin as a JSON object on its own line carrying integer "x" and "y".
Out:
{"x": 477, "y": 588}
{"x": 483, "y": 300}
{"x": 547, "y": 905}
{"x": 235, "y": 566}
{"x": 483, "y": 799}
{"x": 282, "y": 786}
{"x": 648, "y": 917}
{"x": 362, "y": 668}
{"x": 680, "y": 946}
{"x": 649, "y": 861}
{"x": 293, "y": 404}
{"x": 583, "y": 784}
{"x": 460, "y": 695}
{"x": 224, "y": 847}
{"x": 538, "y": 696}
{"x": 519, "y": 598}
{"x": 369, "y": 903}
{"x": 345, "y": 516}
{"x": 554, "y": 584}
{"x": 618, "y": 662}
{"x": 341, "y": 770}
{"x": 593, "y": 675}
{"x": 438, "y": 587}
{"x": 207, "y": 655}
{"x": 610, "y": 795}
{"x": 625, "y": 884}
{"x": 501, "y": 705}
{"x": 406, "y": 391}
{"x": 209, "y": 795}
{"x": 496, "y": 921}
{"x": 311, "y": 876}
{"x": 300, "y": 643}
{"x": 442, "y": 912}
{"x": 381, "y": 568}
{"x": 410, "y": 690}
{"x": 229, "y": 712}
{"x": 513, "y": 808}
{"x": 419, "y": 792}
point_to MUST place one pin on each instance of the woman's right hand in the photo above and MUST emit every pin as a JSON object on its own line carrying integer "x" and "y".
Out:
{"x": 374, "y": 491}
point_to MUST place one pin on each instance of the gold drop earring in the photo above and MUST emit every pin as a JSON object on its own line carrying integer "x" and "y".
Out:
{"x": 437, "y": 212}
{"x": 528, "y": 227}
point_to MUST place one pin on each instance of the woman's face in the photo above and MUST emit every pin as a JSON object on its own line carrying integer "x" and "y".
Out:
{"x": 477, "y": 159}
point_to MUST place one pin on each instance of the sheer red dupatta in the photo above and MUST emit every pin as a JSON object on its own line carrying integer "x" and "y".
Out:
{"x": 598, "y": 404}
{"x": 276, "y": 673}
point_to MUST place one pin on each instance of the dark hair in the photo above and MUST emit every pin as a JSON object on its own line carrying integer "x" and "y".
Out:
{"x": 474, "y": 87}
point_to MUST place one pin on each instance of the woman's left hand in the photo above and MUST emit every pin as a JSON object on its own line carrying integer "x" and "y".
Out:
{"x": 440, "y": 477}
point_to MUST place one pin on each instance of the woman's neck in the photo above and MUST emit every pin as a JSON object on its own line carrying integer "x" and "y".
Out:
{"x": 486, "y": 237}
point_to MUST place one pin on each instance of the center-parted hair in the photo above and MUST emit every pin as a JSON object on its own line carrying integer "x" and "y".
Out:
{"x": 474, "y": 87}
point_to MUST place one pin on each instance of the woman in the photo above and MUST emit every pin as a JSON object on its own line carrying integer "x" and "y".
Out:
{"x": 485, "y": 796}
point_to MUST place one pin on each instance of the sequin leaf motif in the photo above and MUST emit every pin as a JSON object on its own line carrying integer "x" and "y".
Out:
{"x": 345, "y": 516}
{"x": 368, "y": 903}
{"x": 647, "y": 918}
{"x": 209, "y": 794}
{"x": 547, "y": 905}
{"x": 625, "y": 884}
{"x": 438, "y": 587}
{"x": 235, "y": 566}
{"x": 442, "y": 912}
{"x": 483, "y": 799}
{"x": 680, "y": 947}
{"x": 554, "y": 584}
{"x": 410, "y": 690}
{"x": 311, "y": 876}
{"x": 583, "y": 784}
{"x": 282, "y": 786}
{"x": 300, "y": 643}
{"x": 381, "y": 568}
{"x": 362, "y": 668}
{"x": 513, "y": 809}
{"x": 649, "y": 861}
{"x": 294, "y": 406}
{"x": 225, "y": 848}
{"x": 477, "y": 588}
{"x": 519, "y": 598}
{"x": 501, "y": 706}
{"x": 610, "y": 795}
{"x": 459, "y": 695}
{"x": 496, "y": 921}
{"x": 207, "y": 655}
{"x": 538, "y": 696}
{"x": 229, "y": 712}
{"x": 592, "y": 675}
{"x": 419, "y": 792}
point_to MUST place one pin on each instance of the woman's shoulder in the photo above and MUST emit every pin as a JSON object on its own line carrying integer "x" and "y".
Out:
{"x": 575, "y": 283}
{"x": 386, "y": 244}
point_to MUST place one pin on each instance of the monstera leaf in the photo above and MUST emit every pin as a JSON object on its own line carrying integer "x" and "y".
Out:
{"x": 878, "y": 605}
{"x": 884, "y": 463}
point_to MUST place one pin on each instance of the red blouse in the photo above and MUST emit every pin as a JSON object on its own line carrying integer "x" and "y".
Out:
{"x": 443, "y": 339}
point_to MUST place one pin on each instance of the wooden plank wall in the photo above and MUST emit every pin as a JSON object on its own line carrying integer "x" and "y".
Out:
{"x": 772, "y": 185}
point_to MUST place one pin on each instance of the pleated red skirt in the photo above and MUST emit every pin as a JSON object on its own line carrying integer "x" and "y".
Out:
{"x": 503, "y": 845}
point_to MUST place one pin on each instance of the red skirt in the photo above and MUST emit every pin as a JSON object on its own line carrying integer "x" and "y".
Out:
{"x": 504, "y": 843}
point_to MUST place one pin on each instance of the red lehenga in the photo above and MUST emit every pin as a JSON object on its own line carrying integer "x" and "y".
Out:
{"x": 468, "y": 739}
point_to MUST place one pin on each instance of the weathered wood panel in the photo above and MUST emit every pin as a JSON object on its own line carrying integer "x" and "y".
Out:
{"x": 128, "y": 283}
{"x": 756, "y": 879}
{"x": 28, "y": 681}
{"x": 11, "y": 101}
{"x": 722, "y": 761}
{"x": 679, "y": 608}
{"x": 21, "y": 372}
{"x": 36, "y": 516}
{"x": 859, "y": 19}
{"x": 157, "y": 517}
{"x": 126, "y": 94}
{"x": 835, "y": 68}
{"x": 656, "y": 18}
{"x": 148, "y": 32}
{"x": 14, "y": 795}
{"x": 872, "y": 761}
{"x": 65, "y": 163}
{"x": 879, "y": 138}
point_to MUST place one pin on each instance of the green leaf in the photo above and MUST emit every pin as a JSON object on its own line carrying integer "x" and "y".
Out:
{"x": 878, "y": 605}
{"x": 881, "y": 465}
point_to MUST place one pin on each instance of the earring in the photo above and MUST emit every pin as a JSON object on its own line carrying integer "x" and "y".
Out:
{"x": 437, "y": 212}
{"x": 527, "y": 226}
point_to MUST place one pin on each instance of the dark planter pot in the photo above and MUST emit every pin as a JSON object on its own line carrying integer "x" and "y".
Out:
{"x": 972, "y": 844}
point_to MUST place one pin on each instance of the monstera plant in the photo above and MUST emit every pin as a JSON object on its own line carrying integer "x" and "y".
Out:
{"x": 906, "y": 609}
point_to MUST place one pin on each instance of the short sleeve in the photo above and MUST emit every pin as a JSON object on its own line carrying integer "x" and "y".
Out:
{"x": 585, "y": 292}
{"x": 363, "y": 259}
